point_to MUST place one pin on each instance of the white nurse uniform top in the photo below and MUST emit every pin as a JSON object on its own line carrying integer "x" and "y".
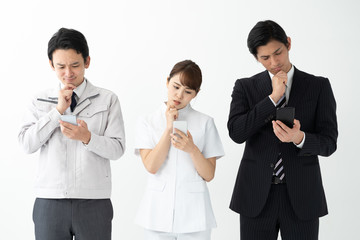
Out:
{"x": 176, "y": 197}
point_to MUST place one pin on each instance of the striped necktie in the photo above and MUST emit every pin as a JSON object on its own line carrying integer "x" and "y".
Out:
{"x": 279, "y": 166}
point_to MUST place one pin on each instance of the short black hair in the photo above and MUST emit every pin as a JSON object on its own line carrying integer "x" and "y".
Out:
{"x": 68, "y": 39}
{"x": 262, "y": 33}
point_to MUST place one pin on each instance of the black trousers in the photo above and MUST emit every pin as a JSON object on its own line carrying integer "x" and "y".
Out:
{"x": 63, "y": 219}
{"x": 278, "y": 215}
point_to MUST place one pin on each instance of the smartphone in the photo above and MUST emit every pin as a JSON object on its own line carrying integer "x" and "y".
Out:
{"x": 69, "y": 118}
{"x": 286, "y": 115}
{"x": 180, "y": 125}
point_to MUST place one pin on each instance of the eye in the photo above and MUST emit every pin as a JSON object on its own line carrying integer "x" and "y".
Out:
{"x": 176, "y": 87}
{"x": 75, "y": 66}
{"x": 188, "y": 92}
{"x": 278, "y": 53}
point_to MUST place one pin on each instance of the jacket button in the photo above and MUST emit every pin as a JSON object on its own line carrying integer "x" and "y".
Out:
{"x": 271, "y": 165}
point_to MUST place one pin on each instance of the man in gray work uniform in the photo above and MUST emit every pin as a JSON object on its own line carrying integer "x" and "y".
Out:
{"x": 78, "y": 128}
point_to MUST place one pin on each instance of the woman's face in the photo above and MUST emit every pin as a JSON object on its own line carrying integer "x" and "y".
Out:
{"x": 178, "y": 95}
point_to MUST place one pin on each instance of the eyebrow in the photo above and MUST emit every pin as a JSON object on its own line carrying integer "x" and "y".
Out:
{"x": 60, "y": 64}
{"x": 186, "y": 87}
{"x": 277, "y": 50}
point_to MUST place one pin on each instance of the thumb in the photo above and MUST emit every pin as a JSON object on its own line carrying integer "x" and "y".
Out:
{"x": 81, "y": 123}
{"x": 189, "y": 135}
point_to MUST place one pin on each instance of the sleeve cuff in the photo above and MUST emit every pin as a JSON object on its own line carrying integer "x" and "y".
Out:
{"x": 300, "y": 145}
{"x": 272, "y": 101}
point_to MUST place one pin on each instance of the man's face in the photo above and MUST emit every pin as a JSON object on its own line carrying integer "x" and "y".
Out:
{"x": 69, "y": 66}
{"x": 274, "y": 56}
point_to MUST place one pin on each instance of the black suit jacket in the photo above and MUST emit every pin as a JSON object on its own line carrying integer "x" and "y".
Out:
{"x": 251, "y": 113}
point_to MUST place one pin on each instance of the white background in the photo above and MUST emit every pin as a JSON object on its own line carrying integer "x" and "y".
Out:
{"x": 133, "y": 46}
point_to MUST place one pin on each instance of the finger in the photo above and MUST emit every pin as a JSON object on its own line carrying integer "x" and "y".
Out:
{"x": 189, "y": 134}
{"x": 176, "y": 115}
{"x": 283, "y": 126}
{"x": 67, "y": 133}
{"x": 296, "y": 123}
{"x": 68, "y": 93}
{"x": 66, "y": 125}
{"x": 174, "y": 112}
{"x": 69, "y": 86}
{"x": 278, "y": 134}
{"x": 81, "y": 123}
{"x": 167, "y": 107}
{"x": 175, "y": 143}
{"x": 174, "y": 137}
{"x": 180, "y": 133}
{"x": 277, "y": 129}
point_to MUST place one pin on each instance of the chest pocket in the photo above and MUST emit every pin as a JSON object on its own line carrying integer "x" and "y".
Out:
{"x": 44, "y": 107}
{"x": 95, "y": 117}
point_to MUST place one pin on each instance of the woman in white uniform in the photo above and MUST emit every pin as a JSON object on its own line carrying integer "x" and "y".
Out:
{"x": 176, "y": 204}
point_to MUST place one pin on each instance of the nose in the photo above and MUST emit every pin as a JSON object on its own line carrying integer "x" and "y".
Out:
{"x": 68, "y": 72}
{"x": 274, "y": 61}
{"x": 180, "y": 94}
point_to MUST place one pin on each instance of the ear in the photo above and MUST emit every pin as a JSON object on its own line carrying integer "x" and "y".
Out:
{"x": 51, "y": 65}
{"x": 289, "y": 43}
{"x": 87, "y": 62}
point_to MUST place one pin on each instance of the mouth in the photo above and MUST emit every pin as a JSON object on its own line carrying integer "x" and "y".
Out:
{"x": 277, "y": 69}
{"x": 176, "y": 102}
{"x": 69, "y": 79}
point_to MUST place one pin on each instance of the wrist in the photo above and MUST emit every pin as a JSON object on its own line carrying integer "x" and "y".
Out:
{"x": 167, "y": 134}
{"x": 87, "y": 138}
{"x": 60, "y": 110}
{"x": 275, "y": 97}
{"x": 194, "y": 150}
{"x": 299, "y": 138}
{"x": 169, "y": 129}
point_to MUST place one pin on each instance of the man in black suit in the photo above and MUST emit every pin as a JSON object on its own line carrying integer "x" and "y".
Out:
{"x": 279, "y": 182}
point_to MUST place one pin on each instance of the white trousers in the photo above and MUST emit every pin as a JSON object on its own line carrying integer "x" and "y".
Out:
{"x": 154, "y": 235}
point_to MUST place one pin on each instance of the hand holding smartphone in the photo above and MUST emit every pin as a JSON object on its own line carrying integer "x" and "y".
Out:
{"x": 180, "y": 125}
{"x": 69, "y": 118}
{"x": 286, "y": 115}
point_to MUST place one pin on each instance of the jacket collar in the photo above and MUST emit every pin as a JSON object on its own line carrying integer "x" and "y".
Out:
{"x": 89, "y": 93}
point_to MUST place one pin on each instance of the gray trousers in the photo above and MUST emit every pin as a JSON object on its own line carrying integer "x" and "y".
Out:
{"x": 63, "y": 219}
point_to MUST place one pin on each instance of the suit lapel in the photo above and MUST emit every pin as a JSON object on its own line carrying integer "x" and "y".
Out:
{"x": 89, "y": 93}
{"x": 298, "y": 88}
